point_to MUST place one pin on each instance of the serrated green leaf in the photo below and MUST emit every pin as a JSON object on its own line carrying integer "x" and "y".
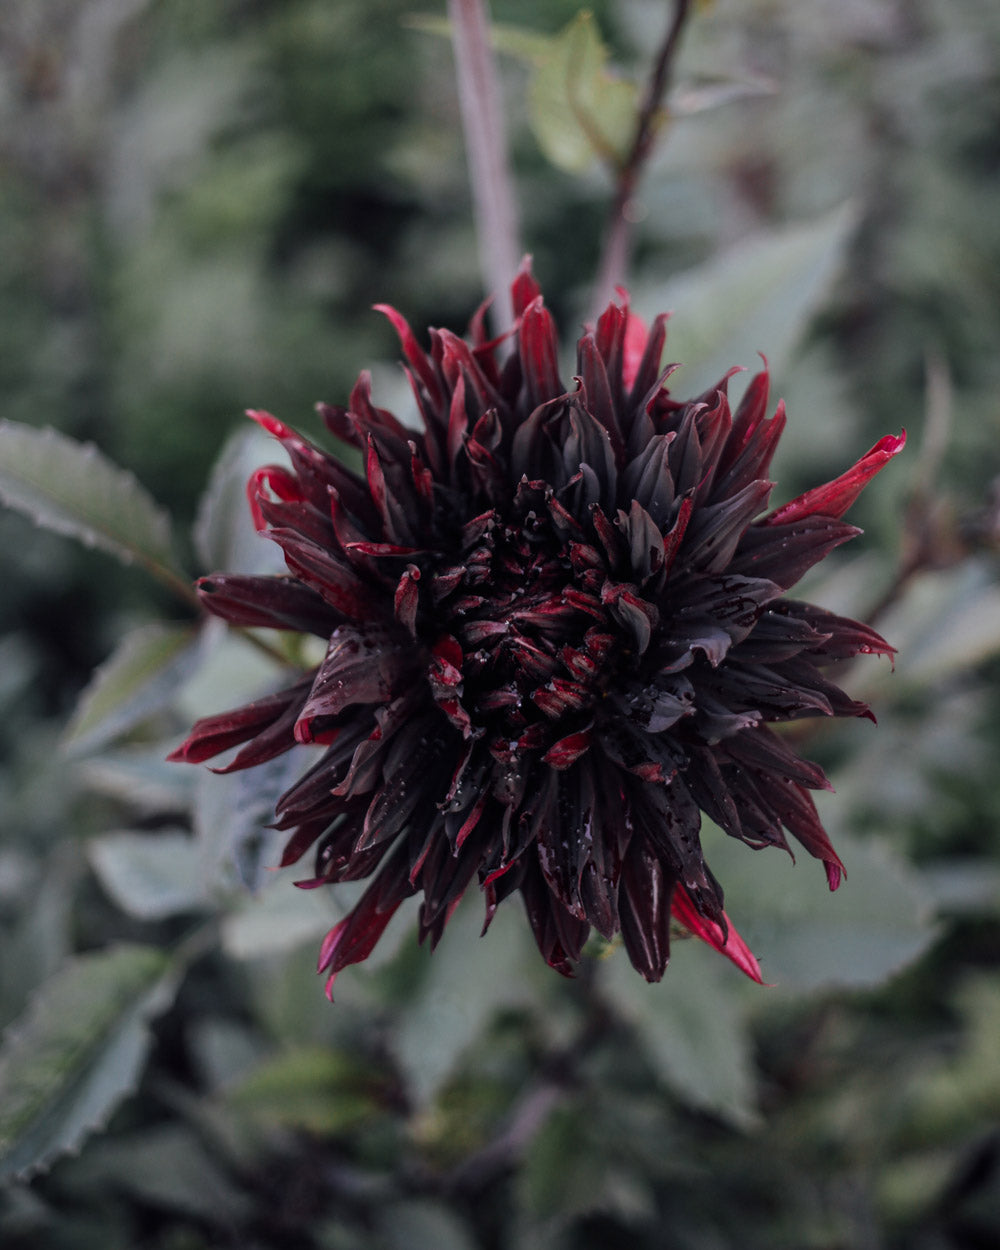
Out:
{"x": 137, "y": 680}
{"x": 73, "y": 489}
{"x": 757, "y": 297}
{"x": 691, "y": 1026}
{"x": 151, "y": 875}
{"x": 77, "y": 1052}
{"x": 224, "y": 533}
{"x": 808, "y": 938}
{"x": 578, "y": 110}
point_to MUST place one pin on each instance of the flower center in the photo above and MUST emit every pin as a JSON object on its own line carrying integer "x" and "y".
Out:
{"x": 533, "y": 632}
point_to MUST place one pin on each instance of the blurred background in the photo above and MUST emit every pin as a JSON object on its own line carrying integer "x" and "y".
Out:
{"x": 200, "y": 200}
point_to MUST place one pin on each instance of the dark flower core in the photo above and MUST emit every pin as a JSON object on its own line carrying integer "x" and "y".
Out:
{"x": 557, "y": 634}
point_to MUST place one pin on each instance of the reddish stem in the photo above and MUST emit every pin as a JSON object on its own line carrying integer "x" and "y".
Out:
{"x": 480, "y": 104}
{"x": 618, "y": 239}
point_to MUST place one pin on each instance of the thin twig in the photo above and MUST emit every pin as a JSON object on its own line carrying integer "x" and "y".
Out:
{"x": 927, "y": 542}
{"x": 486, "y": 148}
{"x": 618, "y": 239}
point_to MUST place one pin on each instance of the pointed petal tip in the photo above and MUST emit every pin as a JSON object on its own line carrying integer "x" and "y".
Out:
{"x": 268, "y": 422}
{"x": 726, "y": 941}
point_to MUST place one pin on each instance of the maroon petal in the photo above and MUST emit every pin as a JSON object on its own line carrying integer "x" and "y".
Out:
{"x": 267, "y": 603}
{"x": 215, "y": 734}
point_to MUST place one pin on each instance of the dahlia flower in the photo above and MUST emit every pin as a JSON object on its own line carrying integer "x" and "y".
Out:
{"x": 557, "y": 633}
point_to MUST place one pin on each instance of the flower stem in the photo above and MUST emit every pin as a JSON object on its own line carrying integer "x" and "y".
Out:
{"x": 618, "y": 238}
{"x": 486, "y": 148}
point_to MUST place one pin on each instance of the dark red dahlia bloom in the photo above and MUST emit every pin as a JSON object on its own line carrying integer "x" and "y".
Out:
{"x": 557, "y": 635}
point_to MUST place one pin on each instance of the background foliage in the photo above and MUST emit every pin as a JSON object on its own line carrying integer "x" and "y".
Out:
{"x": 200, "y": 200}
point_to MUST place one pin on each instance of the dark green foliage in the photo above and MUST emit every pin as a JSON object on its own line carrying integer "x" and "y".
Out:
{"x": 196, "y": 214}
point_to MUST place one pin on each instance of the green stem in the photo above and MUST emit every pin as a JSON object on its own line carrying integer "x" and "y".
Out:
{"x": 189, "y": 597}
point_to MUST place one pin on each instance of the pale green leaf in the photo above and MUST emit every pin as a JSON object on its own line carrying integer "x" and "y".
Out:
{"x": 757, "y": 297}
{"x": 142, "y": 778}
{"x": 423, "y": 1224}
{"x": 77, "y": 1052}
{"x": 165, "y": 1166}
{"x": 947, "y": 623}
{"x": 234, "y": 813}
{"x": 713, "y": 93}
{"x": 578, "y": 110}
{"x": 74, "y": 489}
{"x": 691, "y": 1027}
{"x": 281, "y": 918}
{"x": 467, "y": 981}
{"x": 140, "y": 678}
{"x": 517, "y": 41}
{"x": 877, "y": 922}
{"x": 151, "y": 875}
{"x": 224, "y": 533}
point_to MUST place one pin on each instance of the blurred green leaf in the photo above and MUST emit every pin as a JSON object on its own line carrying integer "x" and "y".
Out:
{"x": 571, "y": 1169}
{"x": 691, "y": 1026}
{"x": 77, "y": 1052}
{"x": 74, "y": 489}
{"x": 281, "y": 918}
{"x": 947, "y": 623}
{"x": 141, "y": 677}
{"x": 165, "y": 1166}
{"x": 757, "y": 297}
{"x": 151, "y": 875}
{"x": 318, "y": 1089}
{"x": 234, "y": 813}
{"x": 579, "y": 110}
{"x": 952, "y": 1098}
{"x": 467, "y": 981}
{"x": 518, "y": 41}
{"x": 35, "y": 947}
{"x": 142, "y": 778}
{"x": 424, "y": 1225}
{"x": 806, "y": 937}
{"x": 224, "y": 532}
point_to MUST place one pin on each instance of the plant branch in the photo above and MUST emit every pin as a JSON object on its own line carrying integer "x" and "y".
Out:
{"x": 618, "y": 238}
{"x": 486, "y": 149}
{"x": 929, "y": 540}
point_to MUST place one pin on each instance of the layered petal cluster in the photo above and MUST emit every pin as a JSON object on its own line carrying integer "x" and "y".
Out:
{"x": 557, "y": 632}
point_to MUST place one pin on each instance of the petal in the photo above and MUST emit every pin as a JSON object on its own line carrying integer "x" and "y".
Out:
{"x": 539, "y": 348}
{"x": 267, "y": 603}
{"x": 834, "y": 498}
{"x": 214, "y": 734}
{"x": 723, "y": 939}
